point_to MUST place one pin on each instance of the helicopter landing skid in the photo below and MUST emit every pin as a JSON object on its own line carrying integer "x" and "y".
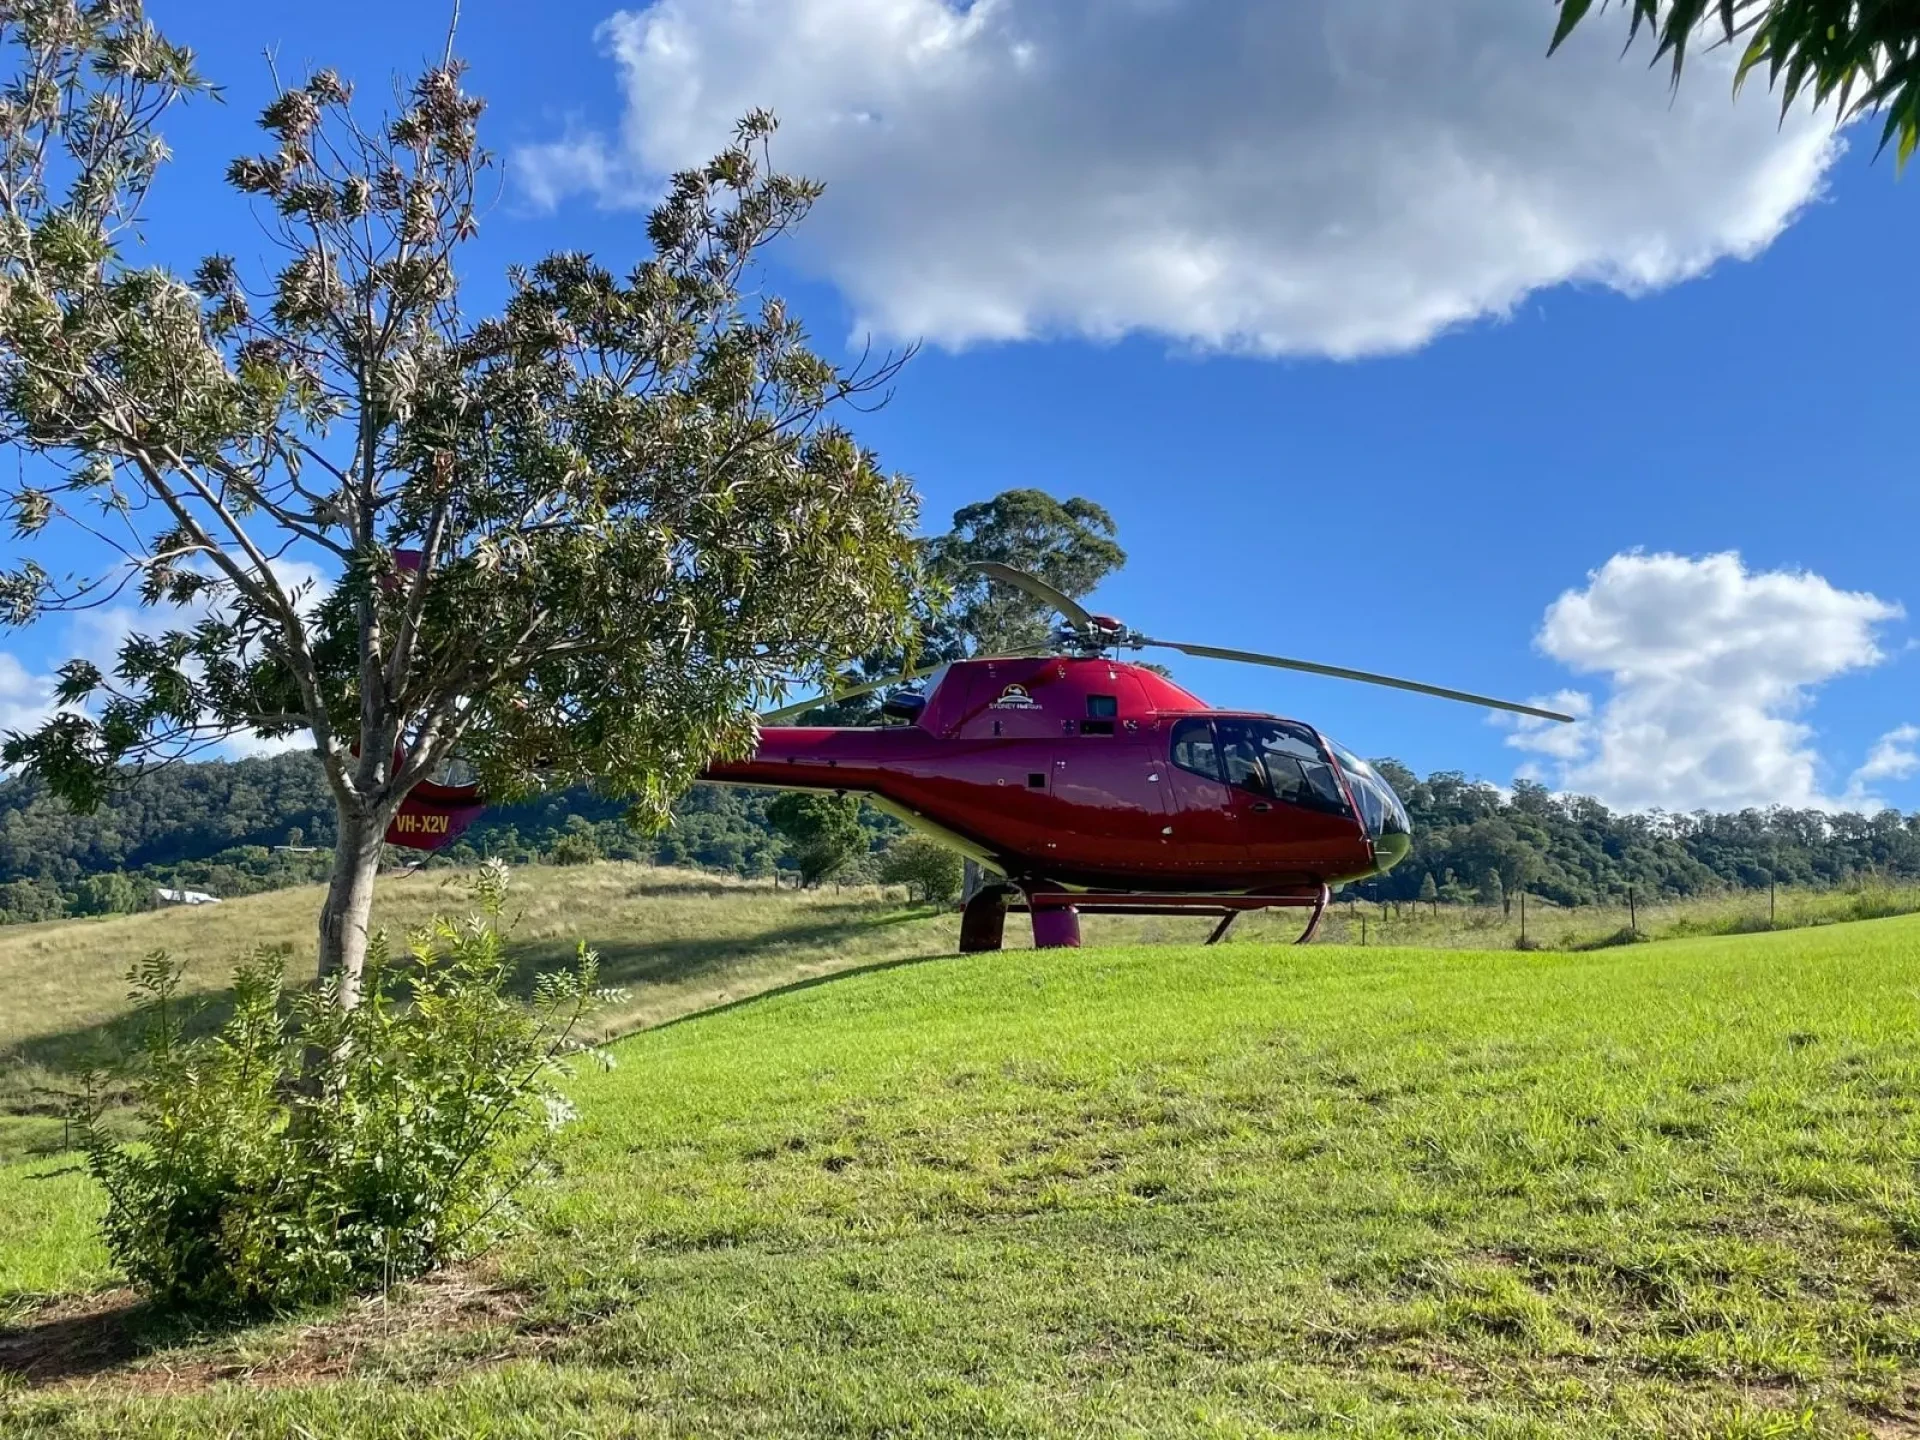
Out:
{"x": 1056, "y": 913}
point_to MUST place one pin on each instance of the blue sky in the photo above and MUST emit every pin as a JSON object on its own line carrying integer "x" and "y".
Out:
{"x": 1483, "y": 386}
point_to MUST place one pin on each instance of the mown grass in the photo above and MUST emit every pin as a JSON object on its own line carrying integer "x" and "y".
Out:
{"x": 1666, "y": 1189}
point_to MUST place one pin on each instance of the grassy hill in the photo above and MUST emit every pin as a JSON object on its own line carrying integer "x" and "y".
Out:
{"x": 1663, "y": 1189}
{"x": 680, "y": 941}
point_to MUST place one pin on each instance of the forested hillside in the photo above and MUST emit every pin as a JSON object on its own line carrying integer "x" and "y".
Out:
{"x": 1472, "y": 842}
{"x": 239, "y": 827}
{"x": 244, "y": 826}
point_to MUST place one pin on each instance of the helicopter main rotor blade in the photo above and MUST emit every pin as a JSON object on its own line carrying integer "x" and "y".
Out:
{"x": 1339, "y": 672}
{"x": 1039, "y": 590}
{"x": 849, "y": 693}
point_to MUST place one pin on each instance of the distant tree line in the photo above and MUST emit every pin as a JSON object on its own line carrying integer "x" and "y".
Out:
{"x": 1472, "y": 842}
{"x": 240, "y": 827}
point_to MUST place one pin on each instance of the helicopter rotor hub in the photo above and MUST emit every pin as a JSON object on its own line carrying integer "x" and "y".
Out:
{"x": 1103, "y": 635}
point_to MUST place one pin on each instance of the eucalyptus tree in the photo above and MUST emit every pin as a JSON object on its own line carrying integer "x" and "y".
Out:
{"x": 1862, "y": 56}
{"x": 579, "y": 538}
{"x": 1068, "y": 543}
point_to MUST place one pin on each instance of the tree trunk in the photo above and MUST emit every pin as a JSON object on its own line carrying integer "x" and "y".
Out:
{"x": 344, "y": 918}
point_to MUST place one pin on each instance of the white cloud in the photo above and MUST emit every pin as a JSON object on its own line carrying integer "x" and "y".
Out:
{"x": 1336, "y": 177}
{"x": 560, "y": 168}
{"x": 98, "y": 635}
{"x": 1709, "y": 666}
{"x": 250, "y": 745}
{"x": 1554, "y": 738}
{"x": 26, "y": 699}
{"x": 1893, "y": 757}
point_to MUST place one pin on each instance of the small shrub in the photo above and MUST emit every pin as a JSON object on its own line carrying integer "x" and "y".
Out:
{"x": 300, "y": 1153}
{"x": 110, "y": 893}
{"x": 926, "y": 865}
{"x": 574, "y": 849}
{"x": 1625, "y": 935}
{"x": 823, "y": 831}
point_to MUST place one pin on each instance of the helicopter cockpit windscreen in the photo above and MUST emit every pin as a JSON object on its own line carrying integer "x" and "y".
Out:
{"x": 1280, "y": 759}
{"x": 1380, "y": 809}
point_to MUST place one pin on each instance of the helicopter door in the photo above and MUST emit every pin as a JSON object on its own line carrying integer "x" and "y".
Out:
{"x": 1292, "y": 809}
{"x": 1109, "y": 793}
{"x": 1205, "y": 818}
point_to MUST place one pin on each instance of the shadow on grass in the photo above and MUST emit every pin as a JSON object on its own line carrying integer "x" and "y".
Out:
{"x": 670, "y": 961}
{"x": 694, "y": 885}
{"x": 876, "y": 967}
{"x": 83, "y": 1338}
{"x": 41, "y": 1076}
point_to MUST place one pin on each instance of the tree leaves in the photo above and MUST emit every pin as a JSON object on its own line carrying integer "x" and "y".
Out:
{"x": 626, "y": 509}
{"x": 1069, "y": 544}
{"x": 1571, "y": 14}
{"x": 1860, "y": 56}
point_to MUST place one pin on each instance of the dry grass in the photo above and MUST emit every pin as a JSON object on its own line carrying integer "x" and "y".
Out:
{"x": 681, "y": 940}
{"x": 111, "y": 1339}
{"x": 1586, "y": 927}
{"x": 677, "y": 941}
{"x": 654, "y": 928}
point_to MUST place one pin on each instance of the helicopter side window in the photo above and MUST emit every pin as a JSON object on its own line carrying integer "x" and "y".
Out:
{"x": 1193, "y": 748}
{"x": 1299, "y": 770}
{"x": 1240, "y": 754}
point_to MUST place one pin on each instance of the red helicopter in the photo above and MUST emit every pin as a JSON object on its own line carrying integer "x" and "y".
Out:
{"x": 1097, "y": 786}
{"x": 1088, "y": 784}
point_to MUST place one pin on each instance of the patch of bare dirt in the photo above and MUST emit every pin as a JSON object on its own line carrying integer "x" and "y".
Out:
{"x": 113, "y": 1340}
{"x": 1901, "y": 1419}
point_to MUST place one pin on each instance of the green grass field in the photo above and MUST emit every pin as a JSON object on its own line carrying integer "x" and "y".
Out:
{"x": 1664, "y": 1189}
{"x": 683, "y": 941}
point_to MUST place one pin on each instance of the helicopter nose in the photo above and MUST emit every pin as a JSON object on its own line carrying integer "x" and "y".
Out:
{"x": 1389, "y": 850}
{"x": 1381, "y": 814}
